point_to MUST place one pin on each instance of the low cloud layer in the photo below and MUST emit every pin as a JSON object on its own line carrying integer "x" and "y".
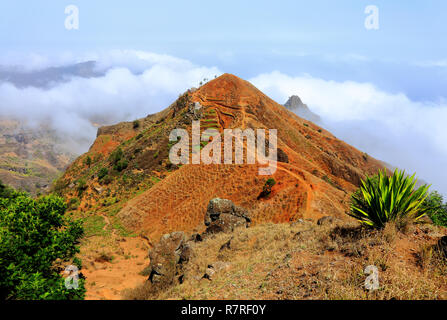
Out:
{"x": 389, "y": 126}
{"x": 134, "y": 85}
{"x": 131, "y": 84}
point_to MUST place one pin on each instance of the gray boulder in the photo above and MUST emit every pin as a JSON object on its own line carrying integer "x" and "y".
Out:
{"x": 223, "y": 215}
{"x": 167, "y": 258}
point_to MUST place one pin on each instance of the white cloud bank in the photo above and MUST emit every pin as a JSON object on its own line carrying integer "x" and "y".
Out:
{"x": 391, "y": 127}
{"x": 135, "y": 84}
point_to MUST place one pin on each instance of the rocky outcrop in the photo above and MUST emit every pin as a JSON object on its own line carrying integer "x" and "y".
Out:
{"x": 223, "y": 215}
{"x": 167, "y": 258}
{"x": 442, "y": 246}
{"x": 170, "y": 255}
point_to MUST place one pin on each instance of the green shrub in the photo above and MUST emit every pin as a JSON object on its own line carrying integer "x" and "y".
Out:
{"x": 436, "y": 208}
{"x": 107, "y": 179}
{"x": 5, "y": 191}
{"x": 116, "y": 156}
{"x": 34, "y": 234}
{"x": 136, "y": 124}
{"x": 267, "y": 188}
{"x": 88, "y": 161}
{"x": 74, "y": 203}
{"x": 121, "y": 165}
{"x": 270, "y": 182}
{"x": 102, "y": 173}
{"x": 382, "y": 199}
{"x": 82, "y": 186}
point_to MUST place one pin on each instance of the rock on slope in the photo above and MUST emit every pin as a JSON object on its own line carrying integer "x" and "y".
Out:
{"x": 314, "y": 177}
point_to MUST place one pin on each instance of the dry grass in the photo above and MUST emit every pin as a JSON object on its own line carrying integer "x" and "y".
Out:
{"x": 307, "y": 261}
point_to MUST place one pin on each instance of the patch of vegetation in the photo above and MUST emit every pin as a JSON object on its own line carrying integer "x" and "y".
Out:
{"x": 116, "y": 156}
{"x": 267, "y": 188}
{"x": 136, "y": 124}
{"x": 34, "y": 235}
{"x": 102, "y": 173}
{"x": 5, "y": 191}
{"x": 88, "y": 161}
{"x": 74, "y": 203}
{"x": 155, "y": 179}
{"x": 109, "y": 201}
{"x": 183, "y": 101}
{"x": 81, "y": 186}
{"x": 123, "y": 232}
{"x": 383, "y": 199}
{"x": 117, "y": 160}
{"x": 436, "y": 208}
{"x": 121, "y": 165}
{"x": 94, "y": 226}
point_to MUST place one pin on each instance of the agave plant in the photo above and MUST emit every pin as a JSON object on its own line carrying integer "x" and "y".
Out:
{"x": 388, "y": 198}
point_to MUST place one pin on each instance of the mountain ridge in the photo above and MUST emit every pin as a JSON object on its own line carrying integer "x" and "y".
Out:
{"x": 151, "y": 196}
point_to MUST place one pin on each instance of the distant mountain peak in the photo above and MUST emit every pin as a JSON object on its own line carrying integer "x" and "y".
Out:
{"x": 295, "y": 104}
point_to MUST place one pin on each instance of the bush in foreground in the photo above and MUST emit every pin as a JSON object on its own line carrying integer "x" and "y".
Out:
{"x": 436, "y": 208}
{"x": 35, "y": 237}
{"x": 388, "y": 198}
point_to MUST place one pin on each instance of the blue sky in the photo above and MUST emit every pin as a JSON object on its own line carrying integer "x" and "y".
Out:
{"x": 324, "y": 38}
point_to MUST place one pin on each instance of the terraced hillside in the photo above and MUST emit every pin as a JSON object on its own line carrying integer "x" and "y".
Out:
{"x": 127, "y": 176}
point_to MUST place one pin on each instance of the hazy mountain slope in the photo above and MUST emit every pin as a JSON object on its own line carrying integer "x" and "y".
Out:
{"x": 47, "y": 77}
{"x": 30, "y": 159}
